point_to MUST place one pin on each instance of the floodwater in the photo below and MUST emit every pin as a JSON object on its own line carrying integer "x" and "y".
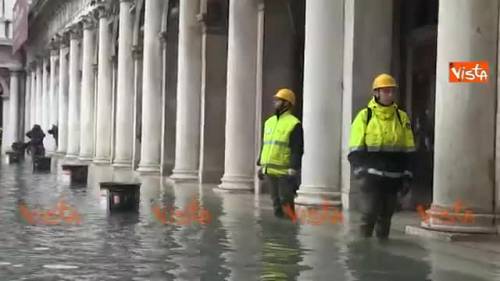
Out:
{"x": 242, "y": 241}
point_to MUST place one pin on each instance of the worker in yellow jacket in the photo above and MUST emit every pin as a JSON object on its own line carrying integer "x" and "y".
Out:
{"x": 281, "y": 153}
{"x": 380, "y": 147}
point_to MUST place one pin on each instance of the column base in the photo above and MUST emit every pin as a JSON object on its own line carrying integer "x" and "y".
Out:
{"x": 85, "y": 158}
{"x": 236, "y": 184}
{"x": 149, "y": 169}
{"x": 444, "y": 219}
{"x": 179, "y": 175}
{"x": 448, "y": 236}
{"x": 102, "y": 161}
{"x": 318, "y": 196}
{"x": 122, "y": 164}
{"x": 61, "y": 153}
{"x": 71, "y": 157}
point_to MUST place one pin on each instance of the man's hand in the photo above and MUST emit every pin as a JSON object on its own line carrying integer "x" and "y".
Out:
{"x": 359, "y": 172}
{"x": 260, "y": 174}
{"x": 292, "y": 172}
{"x": 405, "y": 188}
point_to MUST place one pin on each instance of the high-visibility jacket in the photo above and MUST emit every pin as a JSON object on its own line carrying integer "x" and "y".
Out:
{"x": 276, "y": 154}
{"x": 383, "y": 142}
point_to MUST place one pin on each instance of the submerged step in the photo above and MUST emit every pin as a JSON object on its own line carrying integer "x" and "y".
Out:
{"x": 12, "y": 157}
{"x": 122, "y": 196}
{"x": 41, "y": 164}
{"x": 75, "y": 174}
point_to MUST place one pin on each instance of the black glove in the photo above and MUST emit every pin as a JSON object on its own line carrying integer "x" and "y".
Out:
{"x": 408, "y": 176}
{"x": 359, "y": 172}
{"x": 405, "y": 188}
{"x": 260, "y": 174}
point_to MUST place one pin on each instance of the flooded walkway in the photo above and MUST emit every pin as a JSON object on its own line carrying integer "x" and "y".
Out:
{"x": 242, "y": 240}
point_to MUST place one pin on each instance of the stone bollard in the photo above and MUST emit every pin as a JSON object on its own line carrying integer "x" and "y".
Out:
{"x": 41, "y": 164}
{"x": 17, "y": 153}
{"x": 75, "y": 174}
{"x": 12, "y": 157}
{"x": 122, "y": 196}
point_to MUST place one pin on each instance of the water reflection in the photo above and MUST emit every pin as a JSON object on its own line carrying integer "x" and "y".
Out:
{"x": 243, "y": 236}
{"x": 281, "y": 251}
{"x": 213, "y": 241}
{"x": 379, "y": 263}
{"x": 243, "y": 241}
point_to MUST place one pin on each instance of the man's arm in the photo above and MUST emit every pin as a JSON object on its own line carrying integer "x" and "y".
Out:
{"x": 296, "y": 147}
{"x": 357, "y": 145}
{"x": 409, "y": 144}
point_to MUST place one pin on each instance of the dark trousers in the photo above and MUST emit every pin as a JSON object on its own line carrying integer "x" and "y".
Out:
{"x": 282, "y": 193}
{"x": 379, "y": 200}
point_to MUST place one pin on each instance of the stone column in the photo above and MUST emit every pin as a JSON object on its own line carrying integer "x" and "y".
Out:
{"x": 465, "y": 119}
{"x": 240, "y": 154}
{"x": 6, "y": 139}
{"x": 73, "y": 148}
{"x": 151, "y": 90}
{"x": 39, "y": 99}
{"x": 63, "y": 98}
{"x": 322, "y": 118}
{"x": 362, "y": 61}
{"x": 50, "y": 142}
{"x": 54, "y": 102}
{"x": 125, "y": 89}
{"x": 87, "y": 94}
{"x": 187, "y": 141}
{"x": 104, "y": 92}
{"x": 27, "y": 105}
{"x": 14, "y": 109}
{"x": 33, "y": 108}
{"x": 46, "y": 101}
{"x": 11, "y": 113}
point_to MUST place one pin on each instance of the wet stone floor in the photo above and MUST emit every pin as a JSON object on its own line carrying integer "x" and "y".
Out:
{"x": 239, "y": 239}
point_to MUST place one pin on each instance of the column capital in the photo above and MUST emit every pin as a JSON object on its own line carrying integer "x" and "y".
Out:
{"x": 261, "y": 5}
{"x": 75, "y": 32}
{"x": 62, "y": 39}
{"x": 32, "y": 65}
{"x": 163, "y": 37}
{"x": 202, "y": 17}
{"x": 89, "y": 22}
{"x": 15, "y": 71}
{"x": 54, "y": 53}
{"x": 39, "y": 61}
{"x": 54, "y": 46}
{"x": 137, "y": 51}
{"x": 103, "y": 11}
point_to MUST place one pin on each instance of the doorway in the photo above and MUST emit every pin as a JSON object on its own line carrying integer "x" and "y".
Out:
{"x": 418, "y": 55}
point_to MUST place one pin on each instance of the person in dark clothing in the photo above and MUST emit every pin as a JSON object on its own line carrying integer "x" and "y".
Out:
{"x": 380, "y": 149}
{"x": 54, "y": 131}
{"x": 35, "y": 144}
{"x": 281, "y": 154}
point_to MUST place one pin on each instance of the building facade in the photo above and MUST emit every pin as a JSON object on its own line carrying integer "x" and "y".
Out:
{"x": 11, "y": 76}
{"x": 181, "y": 88}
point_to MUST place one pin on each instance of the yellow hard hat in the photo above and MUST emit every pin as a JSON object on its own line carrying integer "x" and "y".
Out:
{"x": 384, "y": 81}
{"x": 286, "y": 94}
